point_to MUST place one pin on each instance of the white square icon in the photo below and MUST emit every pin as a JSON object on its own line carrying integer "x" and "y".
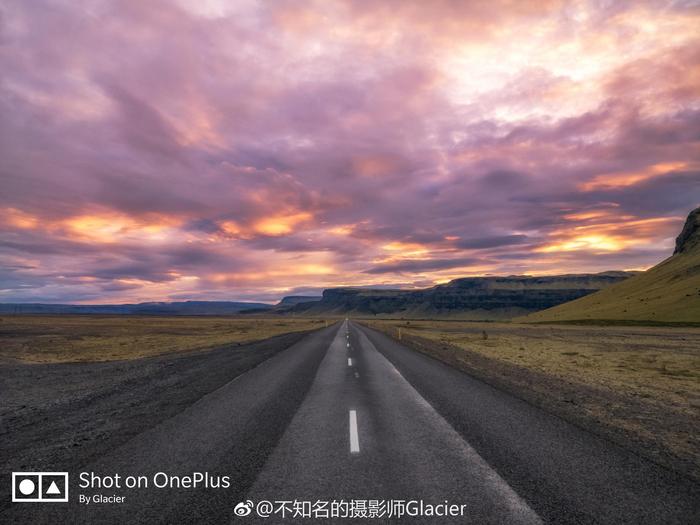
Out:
{"x": 40, "y": 487}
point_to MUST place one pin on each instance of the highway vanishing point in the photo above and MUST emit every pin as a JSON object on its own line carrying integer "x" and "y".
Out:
{"x": 348, "y": 413}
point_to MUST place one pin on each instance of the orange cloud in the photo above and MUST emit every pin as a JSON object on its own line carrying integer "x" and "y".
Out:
{"x": 100, "y": 227}
{"x": 404, "y": 249}
{"x": 343, "y": 230}
{"x": 606, "y": 237}
{"x": 586, "y": 216}
{"x": 275, "y": 225}
{"x": 282, "y": 224}
{"x": 628, "y": 178}
{"x": 104, "y": 226}
{"x": 114, "y": 227}
{"x": 600, "y": 242}
{"x": 304, "y": 269}
{"x": 20, "y": 219}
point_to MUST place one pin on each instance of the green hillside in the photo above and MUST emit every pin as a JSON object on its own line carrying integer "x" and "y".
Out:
{"x": 669, "y": 292}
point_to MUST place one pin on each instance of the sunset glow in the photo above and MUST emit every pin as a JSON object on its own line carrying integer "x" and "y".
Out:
{"x": 170, "y": 150}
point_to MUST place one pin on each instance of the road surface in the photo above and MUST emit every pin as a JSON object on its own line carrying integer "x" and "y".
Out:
{"x": 348, "y": 414}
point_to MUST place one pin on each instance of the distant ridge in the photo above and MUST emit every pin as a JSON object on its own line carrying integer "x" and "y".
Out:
{"x": 292, "y": 300}
{"x": 667, "y": 293}
{"x": 466, "y": 298}
{"x": 162, "y": 308}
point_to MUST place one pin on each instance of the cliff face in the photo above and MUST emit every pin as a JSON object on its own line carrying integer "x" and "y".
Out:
{"x": 491, "y": 297}
{"x": 291, "y": 300}
{"x": 689, "y": 238}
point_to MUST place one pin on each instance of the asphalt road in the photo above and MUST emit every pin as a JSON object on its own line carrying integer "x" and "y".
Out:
{"x": 349, "y": 414}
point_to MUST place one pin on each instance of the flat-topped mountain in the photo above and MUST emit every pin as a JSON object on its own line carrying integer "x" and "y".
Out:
{"x": 292, "y": 300}
{"x": 467, "y": 298}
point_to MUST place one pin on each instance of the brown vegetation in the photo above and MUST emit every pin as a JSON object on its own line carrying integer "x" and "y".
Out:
{"x": 640, "y": 386}
{"x": 86, "y": 338}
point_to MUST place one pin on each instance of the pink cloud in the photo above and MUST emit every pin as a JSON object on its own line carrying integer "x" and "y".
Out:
{"x": 157, "y": 149}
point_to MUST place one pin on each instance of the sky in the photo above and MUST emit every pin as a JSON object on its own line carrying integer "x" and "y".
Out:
{"x": 213, "y": 150}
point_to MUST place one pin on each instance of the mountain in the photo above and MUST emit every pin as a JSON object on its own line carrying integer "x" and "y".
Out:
{"x": 174, "y": 308}
{"x": 669, "y": 292}
{"x": 292, "y": 300}
{"x": 286, "y": 305}
{"x": 689, "y": 239}
{"x": 466, "y": 298}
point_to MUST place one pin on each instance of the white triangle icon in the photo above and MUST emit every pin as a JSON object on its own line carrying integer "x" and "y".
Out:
{"x": 53, "y": 489}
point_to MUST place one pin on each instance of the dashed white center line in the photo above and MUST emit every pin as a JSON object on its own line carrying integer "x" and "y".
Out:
{"x": 349, "y": 361}
{"x": 354, "y": 439}
{"x": 348, "y": 345}
{"x": 357, "y": 374}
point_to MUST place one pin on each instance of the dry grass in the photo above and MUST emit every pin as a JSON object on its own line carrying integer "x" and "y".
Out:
{"x": 669, "y": 292}
{"x": 641, "y": 383}
{"x": 654, "y": 362}
{"x": 75, "y": 338}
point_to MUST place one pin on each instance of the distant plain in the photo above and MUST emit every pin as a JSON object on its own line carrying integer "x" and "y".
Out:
{"x": 93, "y": 338}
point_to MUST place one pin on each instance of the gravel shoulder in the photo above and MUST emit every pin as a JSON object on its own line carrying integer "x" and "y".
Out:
{"x": 63, "y": 416}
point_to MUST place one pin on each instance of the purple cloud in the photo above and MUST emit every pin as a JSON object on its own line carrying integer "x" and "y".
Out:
{"x": 167, "y": 149}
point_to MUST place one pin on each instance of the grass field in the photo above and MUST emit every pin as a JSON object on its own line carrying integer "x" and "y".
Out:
{"x": 667, "y": 293}
{"x": 641, "y": 381}
{"x": 88, "y": 338}
{"x": 660, "y": 362}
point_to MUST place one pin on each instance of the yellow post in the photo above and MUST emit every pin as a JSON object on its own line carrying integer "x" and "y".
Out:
{"x": 399, "y": 333}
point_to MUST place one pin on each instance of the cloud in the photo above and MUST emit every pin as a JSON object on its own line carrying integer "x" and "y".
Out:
{"x": 246, "y": 150}
{"x": 492, "y": 242}
{"x": 420, "y": 265}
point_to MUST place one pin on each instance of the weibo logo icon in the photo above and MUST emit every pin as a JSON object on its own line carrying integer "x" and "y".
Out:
{"x": 243, "y": 508}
